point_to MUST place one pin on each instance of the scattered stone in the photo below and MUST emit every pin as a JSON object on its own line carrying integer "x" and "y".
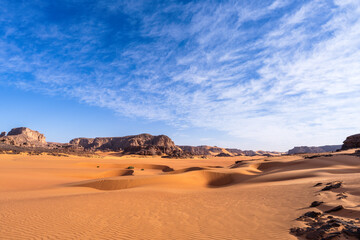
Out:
{"x": 332, "y": 236}
{"x": 2, "y": 134}
{"x": 298, "y": 231}
{"x": 335, "y": 209}
{"x": 318, "y": 184}
{"x": 327, "y": 227}
{"x": 312, "y": 214}
{"x": 353, "y": 231}
{"x": 335, "y": 228}
{"x": 332, "y": 185}
{"x": 315, "y": 235}
{"x": 341, "y": 195}
{"x": 315, "y": 204}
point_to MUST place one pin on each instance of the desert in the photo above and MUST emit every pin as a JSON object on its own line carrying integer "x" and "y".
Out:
{"x": 180, "y": 119}
{"x": 108, "y": 195}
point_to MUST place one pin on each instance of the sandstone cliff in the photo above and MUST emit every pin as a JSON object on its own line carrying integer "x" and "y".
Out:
{"x": 145, "y": 144}
{"x": 23, "y": 137}
{"x": 352, "y": 141}
{"x": 203, "y": 150}
{"x": 320, "y": 149}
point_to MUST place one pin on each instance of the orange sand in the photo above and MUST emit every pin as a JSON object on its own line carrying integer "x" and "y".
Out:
{"x": 48, "y": 197}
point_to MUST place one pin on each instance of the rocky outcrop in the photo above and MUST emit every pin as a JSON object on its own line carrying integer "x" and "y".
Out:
{"x": 23, "y": 137}
{"x": 203, "y": 150}
{"x": 321, "y": 149}
{"x": 144, "y": 144}
{"x": 351, "y": 142}
{"x": 235, "y": 151}
{"x": 217, "y": 151}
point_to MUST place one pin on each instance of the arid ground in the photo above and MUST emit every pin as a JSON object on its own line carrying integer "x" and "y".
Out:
{"x": 134, "y": 197}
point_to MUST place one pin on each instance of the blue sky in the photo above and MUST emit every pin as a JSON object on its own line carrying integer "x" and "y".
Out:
{"x": 248, "y": 74}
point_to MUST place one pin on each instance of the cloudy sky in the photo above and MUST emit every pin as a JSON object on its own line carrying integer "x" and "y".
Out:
{"x": 269, "y": 74}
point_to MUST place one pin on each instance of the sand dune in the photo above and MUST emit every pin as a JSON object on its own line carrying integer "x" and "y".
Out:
{"x": 181, "y": 180}
{"x": 154, "y": 198}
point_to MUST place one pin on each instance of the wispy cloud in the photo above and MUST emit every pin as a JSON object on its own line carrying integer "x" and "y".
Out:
{"x": 278, "y": 73}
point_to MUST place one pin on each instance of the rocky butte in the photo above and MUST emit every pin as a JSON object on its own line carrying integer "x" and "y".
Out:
{"x": 352, "y": 141}
{"x": 144, "y": 144}
{"x": 23, "y": 137}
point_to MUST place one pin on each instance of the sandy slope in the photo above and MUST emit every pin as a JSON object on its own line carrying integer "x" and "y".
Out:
{"x": 100, "y": 198}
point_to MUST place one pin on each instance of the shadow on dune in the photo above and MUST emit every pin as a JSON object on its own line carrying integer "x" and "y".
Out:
{"x": 240, "y": 172}
{"x": 190, "y": 179}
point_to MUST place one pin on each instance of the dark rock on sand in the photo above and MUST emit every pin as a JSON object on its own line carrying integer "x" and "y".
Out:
{"x": 315, "y": 203}
{"x": 335, "y": 209}
{"x": 318, "y": 184}
{"x": 315, "y": 234}
{"x": 341, "y": 195}
{"x": 332, "y": 185}
{"x": 312, "y": 214}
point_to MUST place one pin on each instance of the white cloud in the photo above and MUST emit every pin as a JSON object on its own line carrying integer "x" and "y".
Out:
{"x": 291, "y": 80}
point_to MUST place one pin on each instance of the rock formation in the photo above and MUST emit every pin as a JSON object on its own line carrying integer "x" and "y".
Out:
{"x": 203, "y": 150}
{"x": 23, "y": 137}
{"x": 351, "y": 142}
{"x": 236, "y": 152}
{"x": 217, "y": 151}
{"x": 27, "y": 140}
{"x": 321, "y": 149}
{"x": 144, "y": 144}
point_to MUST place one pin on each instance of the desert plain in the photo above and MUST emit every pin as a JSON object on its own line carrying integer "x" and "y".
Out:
{"x": 106, "y": 196}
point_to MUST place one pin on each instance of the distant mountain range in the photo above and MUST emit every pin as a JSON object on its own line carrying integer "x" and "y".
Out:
{"x": 218, "y": 151}
{"x": 321, "y": 149}
{"x": 25, "y": 139}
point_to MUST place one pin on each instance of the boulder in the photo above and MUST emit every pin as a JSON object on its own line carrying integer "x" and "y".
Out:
{"x": 351, "y": 142}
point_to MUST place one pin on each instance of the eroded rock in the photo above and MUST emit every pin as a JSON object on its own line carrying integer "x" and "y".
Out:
{"x": 23, "y": 137}
{"x": 352, "y": 141}
{"x": 332, "y": 185}
{"x": 316, "y": 203}
{"x": 144, "y": 144}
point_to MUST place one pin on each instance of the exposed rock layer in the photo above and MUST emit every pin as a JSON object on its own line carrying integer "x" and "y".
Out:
{"x": 351, "y": 142}
{"x": 23, "y": 137}
{"x": 320, "y": 149}
{"x": 140, "y": 144}
{"x": 217, "y": 151}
